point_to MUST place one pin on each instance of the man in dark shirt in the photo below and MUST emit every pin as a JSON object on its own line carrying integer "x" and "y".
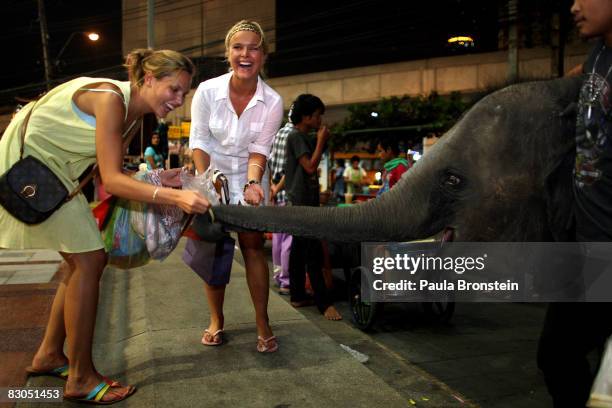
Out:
{"x": 303, "y": 155}
{"x": 572, "y": 330}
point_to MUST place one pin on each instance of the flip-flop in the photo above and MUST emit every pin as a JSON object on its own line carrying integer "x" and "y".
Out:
{"x": 269, "y": 345}
{"x": 212, "y": 339}
{"x": 96, "y": 395}
{"x": 59, "y": 372}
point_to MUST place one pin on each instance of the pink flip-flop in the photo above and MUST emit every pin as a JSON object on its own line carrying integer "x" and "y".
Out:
{"x": 269, "y": 345}
{"x": 212, "y": 339}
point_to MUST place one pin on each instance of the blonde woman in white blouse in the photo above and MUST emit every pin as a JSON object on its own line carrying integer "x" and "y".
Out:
{"x": 234, "y": 118}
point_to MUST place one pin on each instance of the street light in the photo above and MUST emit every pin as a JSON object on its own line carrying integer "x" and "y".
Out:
{"x": 91, "y": 36}
{"x": 461, "y": 40}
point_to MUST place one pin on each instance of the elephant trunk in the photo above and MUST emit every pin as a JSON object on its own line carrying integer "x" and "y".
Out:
{"x": 394, "y": 216}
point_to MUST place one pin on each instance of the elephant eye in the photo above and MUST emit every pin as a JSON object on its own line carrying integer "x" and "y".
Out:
{"x": 452, "y": 180}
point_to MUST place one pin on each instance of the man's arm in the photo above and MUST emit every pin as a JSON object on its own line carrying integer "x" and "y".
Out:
{"x": 276, "y": 188}
{"x": 576, "y": 71}
{"x": 310, "y": 164}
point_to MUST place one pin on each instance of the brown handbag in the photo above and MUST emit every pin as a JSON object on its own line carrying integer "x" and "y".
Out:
{"x": 30, "y": 191}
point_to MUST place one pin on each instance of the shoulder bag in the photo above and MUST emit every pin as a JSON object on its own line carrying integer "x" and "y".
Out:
{"x": 30, "y": 191}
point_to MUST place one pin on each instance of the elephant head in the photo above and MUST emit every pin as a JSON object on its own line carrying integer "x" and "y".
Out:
{"x": 502, "y": 173}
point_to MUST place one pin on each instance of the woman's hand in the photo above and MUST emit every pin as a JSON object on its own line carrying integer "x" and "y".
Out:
{"x": 253, "y": 194}
{"x": 192, "y": 202}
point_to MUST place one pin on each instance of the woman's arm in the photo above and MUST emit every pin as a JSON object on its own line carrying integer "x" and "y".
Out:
{"x": 253, "y": 193}
{"x": 201, "y": 159}
{"x": 263, "y": 143}
{"x": 259, "y": 150}
{"x": 199, "y": 133}
{"x": 109, "y": 112}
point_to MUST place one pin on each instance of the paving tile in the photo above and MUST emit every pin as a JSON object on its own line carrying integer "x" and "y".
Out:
{"x": 15, "y": 256}
{"x": 5, "y": 275}
{"x": 29, "y": 267}
{"x": 13, "y": 364}
{"x": 20, "y": 339}
{"x": 46, "y": 255}
{"x": 25, "y": 310}
{"x": 31, "y": 277}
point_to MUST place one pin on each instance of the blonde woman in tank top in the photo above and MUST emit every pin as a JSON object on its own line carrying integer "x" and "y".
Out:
{"x": 73, "y": 126}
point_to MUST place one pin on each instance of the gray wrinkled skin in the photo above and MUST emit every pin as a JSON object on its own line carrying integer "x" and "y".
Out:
{"x": 502, "y": 173}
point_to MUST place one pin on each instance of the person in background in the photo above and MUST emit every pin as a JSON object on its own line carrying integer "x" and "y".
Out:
{"x": 572, "y": 330}
{"x": 302, "y": 161}
{"x": 394, "y": 165}
{"x": 73, "y": 126}
{"x": 162, "y": 131}
{"x": 354, "y": 177}
{"x": 338, "y": 183}
{"x": 281, "y": 242}
{"x": 153, "y": 155}
{"x": 234, "y": 118}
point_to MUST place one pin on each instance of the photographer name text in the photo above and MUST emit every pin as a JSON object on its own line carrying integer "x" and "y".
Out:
{"x": 445, "y": 285}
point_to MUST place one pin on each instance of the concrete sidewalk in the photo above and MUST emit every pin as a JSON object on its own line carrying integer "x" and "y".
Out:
{"x": 27, "y": 288}
{"x": 148, "y": 333}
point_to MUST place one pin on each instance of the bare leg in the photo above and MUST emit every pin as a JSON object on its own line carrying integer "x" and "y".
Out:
{"x": 50, "y": 353}
{"x": 251, "y": 245}
{"x": 215, "y": 295}
{"x": 331, "y": 313}
{"x": 80, "y": 306}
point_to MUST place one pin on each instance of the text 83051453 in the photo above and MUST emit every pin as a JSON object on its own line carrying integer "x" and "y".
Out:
{"x": 31, "y": 394}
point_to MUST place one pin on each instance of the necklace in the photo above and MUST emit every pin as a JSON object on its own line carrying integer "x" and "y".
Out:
{"x": 603, "y": 47}
{"x": 595, "y": 86}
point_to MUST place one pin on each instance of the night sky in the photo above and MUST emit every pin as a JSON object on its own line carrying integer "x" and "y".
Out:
{"x": 20, "y": 32}
{"x": 313, "y": 35}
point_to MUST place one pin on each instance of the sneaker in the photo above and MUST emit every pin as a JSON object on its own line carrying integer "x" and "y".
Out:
{"x": 284, "y": 291}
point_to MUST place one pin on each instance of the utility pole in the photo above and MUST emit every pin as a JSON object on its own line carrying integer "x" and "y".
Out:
{"x": 512, "y": 41}
{"x": 44, "y": 35}
{"x": 150, "y": 23}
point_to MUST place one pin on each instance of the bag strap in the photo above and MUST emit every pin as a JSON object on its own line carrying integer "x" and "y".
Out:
{"x": 128, "y": 135}
{"x": 23, "y": 129}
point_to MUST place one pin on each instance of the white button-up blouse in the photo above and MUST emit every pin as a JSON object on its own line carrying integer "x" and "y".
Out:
{"x": 227, "y": 138}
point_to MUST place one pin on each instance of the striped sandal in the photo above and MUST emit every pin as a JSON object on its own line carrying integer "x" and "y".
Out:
{"x": 96, "y": 395}
{"x": 59, "y": 372}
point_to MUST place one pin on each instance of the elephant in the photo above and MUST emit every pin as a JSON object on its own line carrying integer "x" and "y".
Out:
{"x": 502, "y": 173}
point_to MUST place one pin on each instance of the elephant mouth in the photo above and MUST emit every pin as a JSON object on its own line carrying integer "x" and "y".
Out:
{"x": 448, "y": 234}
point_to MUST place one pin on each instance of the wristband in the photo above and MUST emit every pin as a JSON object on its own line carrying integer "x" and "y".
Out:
{"x": 251, "y": 182}
{"x": 257, "y": 165}
{"x": 155, "y": 193}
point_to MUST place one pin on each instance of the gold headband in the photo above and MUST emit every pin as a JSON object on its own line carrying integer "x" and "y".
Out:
{"x": 244, "y": 27}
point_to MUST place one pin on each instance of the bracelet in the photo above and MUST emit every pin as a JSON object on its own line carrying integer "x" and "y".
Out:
{"x": 155, "y": 193}
{"x": 251, "y": 182}
{"x": 257, "y": 165}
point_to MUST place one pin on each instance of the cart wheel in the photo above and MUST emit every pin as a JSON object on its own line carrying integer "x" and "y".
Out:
{"x": 364, "y": 313}
{"x": 439, "y": 311}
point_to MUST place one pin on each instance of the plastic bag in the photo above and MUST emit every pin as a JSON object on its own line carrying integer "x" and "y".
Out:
{"x": 137, "y": 232}
{"x": 202, "y": 183}
{"x": 163, "y": 223}
{"x": 601, "y": 393}
{"x": 126, "y": 248}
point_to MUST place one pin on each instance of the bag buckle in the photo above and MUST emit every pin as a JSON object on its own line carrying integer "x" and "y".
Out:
{"x": 29, "y": 190}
